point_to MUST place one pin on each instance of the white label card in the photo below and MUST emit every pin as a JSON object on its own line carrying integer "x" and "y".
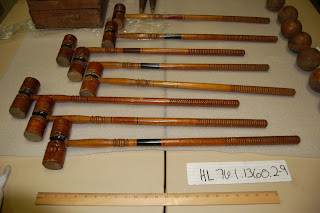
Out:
{"x": 238, "y": 172}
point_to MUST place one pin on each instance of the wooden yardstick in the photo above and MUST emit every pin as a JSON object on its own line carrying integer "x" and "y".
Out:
{"x": 157, "y": 199}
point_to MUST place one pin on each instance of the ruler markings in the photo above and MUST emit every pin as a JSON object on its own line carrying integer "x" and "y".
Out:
{"x": 157, "y": 199}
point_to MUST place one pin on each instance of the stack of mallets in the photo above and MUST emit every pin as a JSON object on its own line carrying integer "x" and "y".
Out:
{"x": 80, "y": 56}
{"x": 55, "y": 153}
{"x": 78, "y": 59}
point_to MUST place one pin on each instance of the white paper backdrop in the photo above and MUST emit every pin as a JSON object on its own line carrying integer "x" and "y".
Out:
{"x": 298, "y": 115}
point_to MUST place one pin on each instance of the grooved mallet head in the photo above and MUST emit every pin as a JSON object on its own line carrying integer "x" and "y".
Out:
{"x": 22, "y": 103}
{"x": 110, "y": 35}
{"x": 66, "y": 51}
{"x": 79, "y": 64}
{"x": 118, "y": 15}
{"x": 56, "y": 149}
{"x": 38, "y": 121}
{"x": 91, "y": 81}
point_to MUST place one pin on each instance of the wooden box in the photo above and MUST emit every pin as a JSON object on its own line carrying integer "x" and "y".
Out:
{"x": 68, "y": 13}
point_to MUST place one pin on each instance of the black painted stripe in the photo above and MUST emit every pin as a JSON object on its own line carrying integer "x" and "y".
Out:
{"x": 120, "y": 11}
{"x": 177, "y": 17}
{"x": 67, "y": 45}
{"x": 92, "y": 75}
{"x": 26, "y": 92}
{"x": 131, "y": 50}
{"x": 110, "y": 30}
{"x": 57, "y": 138}
{"x": 150, "y": 66}
{"x": 148, "y": 142}
{"x": 79, "y": 58}
{"x": 40, "y": 113}
{"x": 172, "y": 36}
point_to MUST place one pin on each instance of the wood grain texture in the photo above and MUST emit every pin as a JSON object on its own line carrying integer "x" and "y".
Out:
{"x": 60, "y": 4}
{"x": 23, "y": 100}
{"x": 308, "y": 59}
{"x": 66, "y": 50}
{"x": 145, "y": 101}
{"x": 70, "y": 19}
{"x": 118, "y": 15}
{"x": 68, "y": 14}
{"x": 200, "y": 86}
{"x": 110, "y": 35}
{"x": 78, "y": 64}
{"x": 194, "y": 67}
{"x": 158, "y": 199}
{"x": 167, "y": 51}
{"x": 38, "y": 121}
{"x": 314, "y": 80}
{"x": 60, "y": 130}
{"x": 54, "y": 155}
{"x": 78, "y": 119}
{"x": 222, "y": 37}
{"x": 246, "y": 19}
{"x": 228, "y": 141}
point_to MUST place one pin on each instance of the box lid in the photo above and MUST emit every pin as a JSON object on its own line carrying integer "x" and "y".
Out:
{"x": 64, "y": 4}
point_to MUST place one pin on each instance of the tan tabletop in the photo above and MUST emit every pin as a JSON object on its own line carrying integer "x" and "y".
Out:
{"x": 143, "y": 171}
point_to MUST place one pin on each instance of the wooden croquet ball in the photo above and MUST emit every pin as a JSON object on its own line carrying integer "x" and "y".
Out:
{"x": 308, "y": 59}
{"x": 290, "y": 28}
{"x": 286, "y": 13}
{"x": 299, "y": 42}
{"x": 275, "y": 5}
{"x": 314, "y": 80}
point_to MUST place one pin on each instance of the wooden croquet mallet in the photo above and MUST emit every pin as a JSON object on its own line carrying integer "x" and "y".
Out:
{"x": 81, "y": 56}
{"x": 119, "y": 15}
{"x": 93, "y": 79}
{"x": 68, "y": 48}
{"x": 30, "y": 86}
{"x": 55, "y": 153}
{"x": 43, "y": 109}
{"x": 111, "y": 34}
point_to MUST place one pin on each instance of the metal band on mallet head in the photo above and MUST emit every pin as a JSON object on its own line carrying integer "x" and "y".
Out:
{"x": 56, "y": 149}
{"x": 118, "y": 15}
{"x": 38, "y": 121}
{"x": 90, "y": 83}
{"x": 110, "y": 35}
{"x": 23, "y": 100}
{"x": 79, "y": 64}
{"x": 66, "y": 51}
